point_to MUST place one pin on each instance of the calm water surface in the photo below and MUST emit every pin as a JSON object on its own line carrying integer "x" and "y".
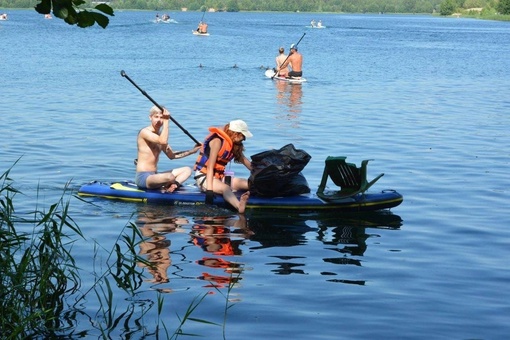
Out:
{"x": 427, "y": 98}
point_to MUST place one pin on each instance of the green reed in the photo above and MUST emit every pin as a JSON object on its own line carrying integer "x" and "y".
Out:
{"x": 37, "y": 270}
{"x": 41, "y": 286}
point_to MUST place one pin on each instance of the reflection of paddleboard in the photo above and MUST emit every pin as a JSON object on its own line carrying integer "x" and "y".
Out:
{"x": 271, "y": 74}
{"x": 198, "y": 33}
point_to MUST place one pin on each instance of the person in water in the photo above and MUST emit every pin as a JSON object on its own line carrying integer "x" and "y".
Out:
{"x": 152, "y": 140}
{"x": 219, "y": 148}
{"x": 295, "y": 60}
{"x": 280, "y": 59}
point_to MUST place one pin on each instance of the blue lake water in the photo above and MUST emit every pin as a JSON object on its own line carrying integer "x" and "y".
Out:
{"x": 427, "y": 98}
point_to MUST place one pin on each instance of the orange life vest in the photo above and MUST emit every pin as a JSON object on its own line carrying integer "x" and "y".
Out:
{"x": 225, "y": 154}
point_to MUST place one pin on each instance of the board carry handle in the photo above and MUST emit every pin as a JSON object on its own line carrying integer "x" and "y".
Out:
{"x": 123, "y": 74}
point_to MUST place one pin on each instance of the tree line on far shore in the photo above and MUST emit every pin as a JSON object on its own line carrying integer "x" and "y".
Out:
{"x": 84, "y": 13}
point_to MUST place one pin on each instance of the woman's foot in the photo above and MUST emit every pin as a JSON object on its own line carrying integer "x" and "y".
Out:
{"x": 242, "y": 202}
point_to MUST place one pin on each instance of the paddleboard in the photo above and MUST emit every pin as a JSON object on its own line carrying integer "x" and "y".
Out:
{"x": 169, "y": 21}
{"x": 198, "y": 33}
{"x": 271, "y": 74}
{"x": 190, "y": 195}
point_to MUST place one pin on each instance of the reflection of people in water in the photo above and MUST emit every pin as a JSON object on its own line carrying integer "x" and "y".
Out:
{"x": 289, "y": 98}
{"x": 290, "y": 95}
{"x": 233, "y": 270}
{"x": 156, "y": 247}
{"x": 215, "y": 236}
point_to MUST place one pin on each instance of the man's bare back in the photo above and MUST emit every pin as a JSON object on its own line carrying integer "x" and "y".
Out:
{"x": 296, "y": 61}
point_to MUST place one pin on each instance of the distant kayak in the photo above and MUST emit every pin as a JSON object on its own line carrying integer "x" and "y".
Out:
{"x": 292, "y": 80}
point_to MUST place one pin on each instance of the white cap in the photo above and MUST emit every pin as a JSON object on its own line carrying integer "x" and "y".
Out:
{"x": 240, "y": 126}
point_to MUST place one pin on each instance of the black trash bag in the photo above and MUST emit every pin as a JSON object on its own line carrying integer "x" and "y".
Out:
{"x": 277, "y": 173}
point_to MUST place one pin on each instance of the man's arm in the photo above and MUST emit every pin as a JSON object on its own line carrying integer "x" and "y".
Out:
{"x": 180, "y": 154}
{"x": 286, "y": 63}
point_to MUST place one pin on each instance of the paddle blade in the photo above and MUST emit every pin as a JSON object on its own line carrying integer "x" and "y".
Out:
{"x": 270, "y": 73}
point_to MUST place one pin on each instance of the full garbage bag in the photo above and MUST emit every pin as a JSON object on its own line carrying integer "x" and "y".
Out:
{"x": 277, "y": 173}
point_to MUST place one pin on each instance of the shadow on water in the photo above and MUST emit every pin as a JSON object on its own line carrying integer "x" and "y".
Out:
{"x": 275, "y": 229}
{"x": 342, "y": 234}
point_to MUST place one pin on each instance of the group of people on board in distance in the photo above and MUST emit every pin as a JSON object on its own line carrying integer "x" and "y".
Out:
{"x": 164, "y": 17}
{"x": 314, "y": 24}
{"x": 289, "y": 66}
{"x": 202, "y": 27}
{"x": 3, "y": 16}
{"x": 222, "y": 145}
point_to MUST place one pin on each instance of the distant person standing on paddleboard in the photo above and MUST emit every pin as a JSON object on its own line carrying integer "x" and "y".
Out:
{"x": 280, "y": 59}
{"x": 295, "y": 60}
{"x": 151, "y": 141}
{"x": 202, "y": 27}
{"x": 220, "y": 147}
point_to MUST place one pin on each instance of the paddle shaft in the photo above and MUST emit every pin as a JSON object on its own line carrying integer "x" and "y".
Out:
{"x": 289, "y": 54}
{"x": 122, "y": 73}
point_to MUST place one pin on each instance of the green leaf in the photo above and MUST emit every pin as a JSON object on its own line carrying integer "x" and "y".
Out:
{"x": 77, "y": 3}
{"x": 105, "y": 9}
{"x": 44, "y": 7}
{"x": 85, "y": 19}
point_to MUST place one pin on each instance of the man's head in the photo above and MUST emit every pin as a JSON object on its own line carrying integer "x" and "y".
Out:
{"x": 154, "y": 110}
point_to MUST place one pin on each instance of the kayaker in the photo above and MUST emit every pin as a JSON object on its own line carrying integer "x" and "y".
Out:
{"x": 219, "y": 148}
{"x": 295, "y": 60}
{"x": 151, "y": 141}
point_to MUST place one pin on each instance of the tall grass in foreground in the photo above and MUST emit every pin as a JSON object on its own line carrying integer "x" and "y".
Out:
{"x": 37, "y": 270}
{"x": 40, "y": 284}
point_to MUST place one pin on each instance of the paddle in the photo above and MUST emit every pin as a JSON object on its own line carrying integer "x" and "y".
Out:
{"x": 203, "y": 15}
{"x": 295, "y": 45}
{"x": 122, "y": 73}
{"x": 201, "y": 20}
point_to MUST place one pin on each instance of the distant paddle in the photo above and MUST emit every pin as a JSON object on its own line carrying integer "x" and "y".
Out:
{"x": 295, "y": 45}
{"x": 122, "y": 73}
{"x": 203, "y": 15}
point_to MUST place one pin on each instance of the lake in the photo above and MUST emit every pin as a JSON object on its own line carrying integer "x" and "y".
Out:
{"x": 426, "y": 98}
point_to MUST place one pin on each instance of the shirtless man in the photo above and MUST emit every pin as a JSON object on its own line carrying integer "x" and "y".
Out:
{"x": 280, "y": 59}
{"x": 152, "y": 140}
{"x": 202, "y": 27}
{"x": 295, "y": 60}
